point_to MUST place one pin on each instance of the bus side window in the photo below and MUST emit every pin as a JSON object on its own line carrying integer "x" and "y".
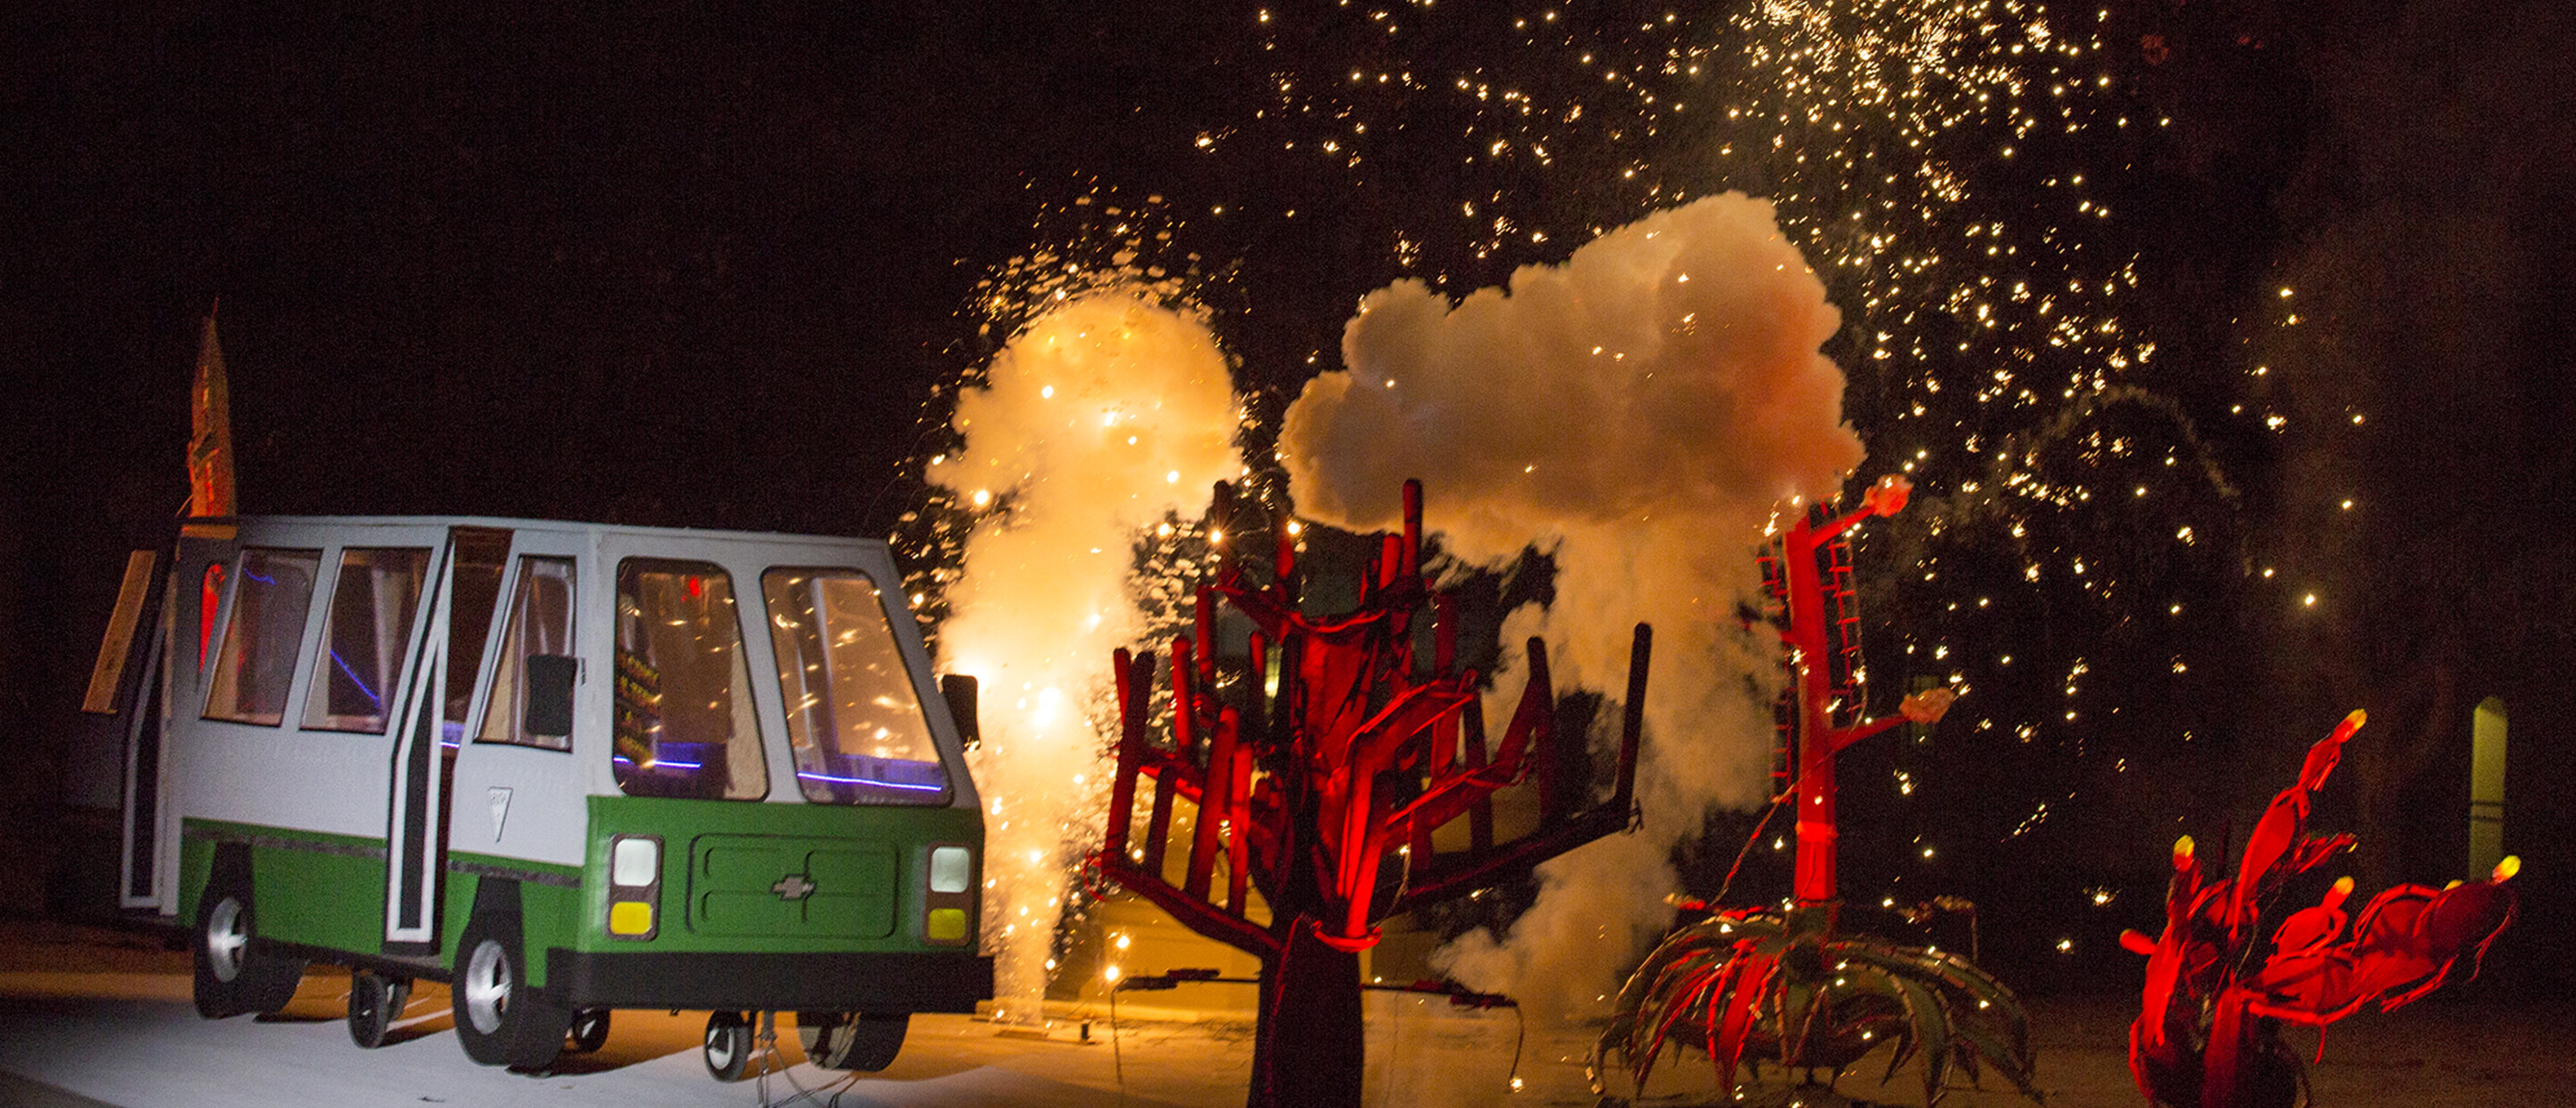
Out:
{"x": 260, "y": 641}
{"x": 540, "y": 626}
{"x": 482, "y": 553}
{"x": 367, "y": 639}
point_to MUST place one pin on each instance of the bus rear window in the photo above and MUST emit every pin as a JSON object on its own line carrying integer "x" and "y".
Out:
{"x": 684, "y": 720}
{"x": 266, "y": 627}
{"x": 857, "y": 727}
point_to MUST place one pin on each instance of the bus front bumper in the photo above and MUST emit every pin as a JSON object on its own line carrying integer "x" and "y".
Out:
{"x": 875, "y": 983}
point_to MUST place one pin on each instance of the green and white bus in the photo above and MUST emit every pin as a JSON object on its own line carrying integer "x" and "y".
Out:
{"x": 564, "y": 768}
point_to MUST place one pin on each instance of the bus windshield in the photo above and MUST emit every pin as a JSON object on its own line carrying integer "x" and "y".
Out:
{"x": 852, "y": 715}
{"x": 684, "y": 722}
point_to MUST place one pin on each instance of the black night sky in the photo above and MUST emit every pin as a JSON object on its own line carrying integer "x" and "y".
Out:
{"x": 699, "y": 264}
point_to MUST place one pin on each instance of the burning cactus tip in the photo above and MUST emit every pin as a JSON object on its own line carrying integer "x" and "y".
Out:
{"x": 2182, "y": 851}
{"x": 2504, "y": 870}
{"x": 2136, "y": 942}
{"x": 1888, "y": 496}
{"x": 2356, "y": 719}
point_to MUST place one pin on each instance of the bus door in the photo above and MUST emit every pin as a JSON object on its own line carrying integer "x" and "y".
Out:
{"x": 127, "y": 678}
{"x": 173, "y": 613}
{"x": 417, "y": 792}
{"x": 424, "y": 755}
{"x": 517, "y": 792}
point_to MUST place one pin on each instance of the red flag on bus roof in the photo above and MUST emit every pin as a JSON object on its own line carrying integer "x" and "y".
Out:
{"x": 210, "y": 450}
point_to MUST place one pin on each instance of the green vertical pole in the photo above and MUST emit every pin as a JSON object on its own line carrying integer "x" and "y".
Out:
{"x": 2486, "y": 787}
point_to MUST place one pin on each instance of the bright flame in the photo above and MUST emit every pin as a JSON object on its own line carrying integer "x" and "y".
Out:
{"x": 1034, "y": 611}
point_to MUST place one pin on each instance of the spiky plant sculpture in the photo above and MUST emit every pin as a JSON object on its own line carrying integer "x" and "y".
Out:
{"x": 1756, "y": 985}
{"x": 2208, "y": 1032}
{"x": 1784, "y": 986}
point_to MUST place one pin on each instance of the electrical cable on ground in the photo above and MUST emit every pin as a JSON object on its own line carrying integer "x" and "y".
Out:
{"x": 772, "y": 1061}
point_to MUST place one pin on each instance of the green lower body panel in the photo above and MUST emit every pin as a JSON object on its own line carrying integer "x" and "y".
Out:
{"x": 739, "y": 878}
{"x": 748, "y": 906}
{"x": 308, "y": 888}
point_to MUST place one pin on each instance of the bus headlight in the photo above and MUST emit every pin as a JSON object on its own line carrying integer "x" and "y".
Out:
{"x": 951, "y": 868}
{"x": 634, "y": 886}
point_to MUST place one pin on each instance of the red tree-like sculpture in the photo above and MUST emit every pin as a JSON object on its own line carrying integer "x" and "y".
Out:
{"x": 1317, "y": 794}
{"x": 2208, "y": 1027}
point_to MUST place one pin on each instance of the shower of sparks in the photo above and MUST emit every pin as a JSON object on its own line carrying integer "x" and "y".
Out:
{"x": 1099, "y": 239}
{"x": 1954, "y": 171}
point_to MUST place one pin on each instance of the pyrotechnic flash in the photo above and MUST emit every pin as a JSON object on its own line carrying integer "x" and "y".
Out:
{"x": 1100, "y": 416}
{"x": 1641, "y": 411}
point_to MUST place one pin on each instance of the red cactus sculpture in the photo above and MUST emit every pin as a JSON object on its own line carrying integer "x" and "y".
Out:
{"x": 1825, "y": 685}
{"x": 1310, "y": 794}
{"x": 2208, "y": 1027}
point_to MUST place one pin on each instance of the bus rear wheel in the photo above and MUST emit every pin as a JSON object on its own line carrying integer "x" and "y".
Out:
{"x": 862, "y": 1041}
{"x": 500, "y": 1019}
{"x": 233, "y": 975}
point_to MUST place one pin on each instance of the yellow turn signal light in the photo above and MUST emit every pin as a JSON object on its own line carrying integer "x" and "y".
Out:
{"x": 946, "y": 925}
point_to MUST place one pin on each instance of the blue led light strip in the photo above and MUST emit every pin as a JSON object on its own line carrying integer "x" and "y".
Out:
{"x": 867, "y": 781}
{"x": 360, "y": 682}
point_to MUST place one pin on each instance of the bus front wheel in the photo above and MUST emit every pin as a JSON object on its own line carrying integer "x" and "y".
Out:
{"x": 500, "y": 1019}
{"x": 862, "y": 1041}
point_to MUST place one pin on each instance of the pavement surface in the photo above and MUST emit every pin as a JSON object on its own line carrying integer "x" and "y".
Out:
{"x": 93, "y": 1016}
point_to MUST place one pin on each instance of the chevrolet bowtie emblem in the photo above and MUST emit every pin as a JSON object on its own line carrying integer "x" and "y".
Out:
{"x": 794, "y": 886}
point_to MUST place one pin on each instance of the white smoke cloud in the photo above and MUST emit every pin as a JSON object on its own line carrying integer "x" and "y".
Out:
{"x": 1099, "y": 417}
{"x": 1640, "y": 411}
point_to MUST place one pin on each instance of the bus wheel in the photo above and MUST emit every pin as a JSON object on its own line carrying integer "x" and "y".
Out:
{"x": 866, "y": 1042}
{"x": 728, "y": 1045}
{"x": 500, "y": 1020}
{"x": 589, "y": 1030}
{"x": 375, "y": 1002}
{"x": 233, "y": 976}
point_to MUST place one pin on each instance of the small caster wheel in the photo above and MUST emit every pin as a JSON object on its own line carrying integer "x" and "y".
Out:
{"x": 589, "y": 1030}
{"x": 728, "y": 1045}
{"x": 375, "y": 1002}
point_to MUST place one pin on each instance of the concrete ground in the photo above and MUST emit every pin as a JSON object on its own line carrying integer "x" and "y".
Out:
{"x": 97, "y": 1017}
